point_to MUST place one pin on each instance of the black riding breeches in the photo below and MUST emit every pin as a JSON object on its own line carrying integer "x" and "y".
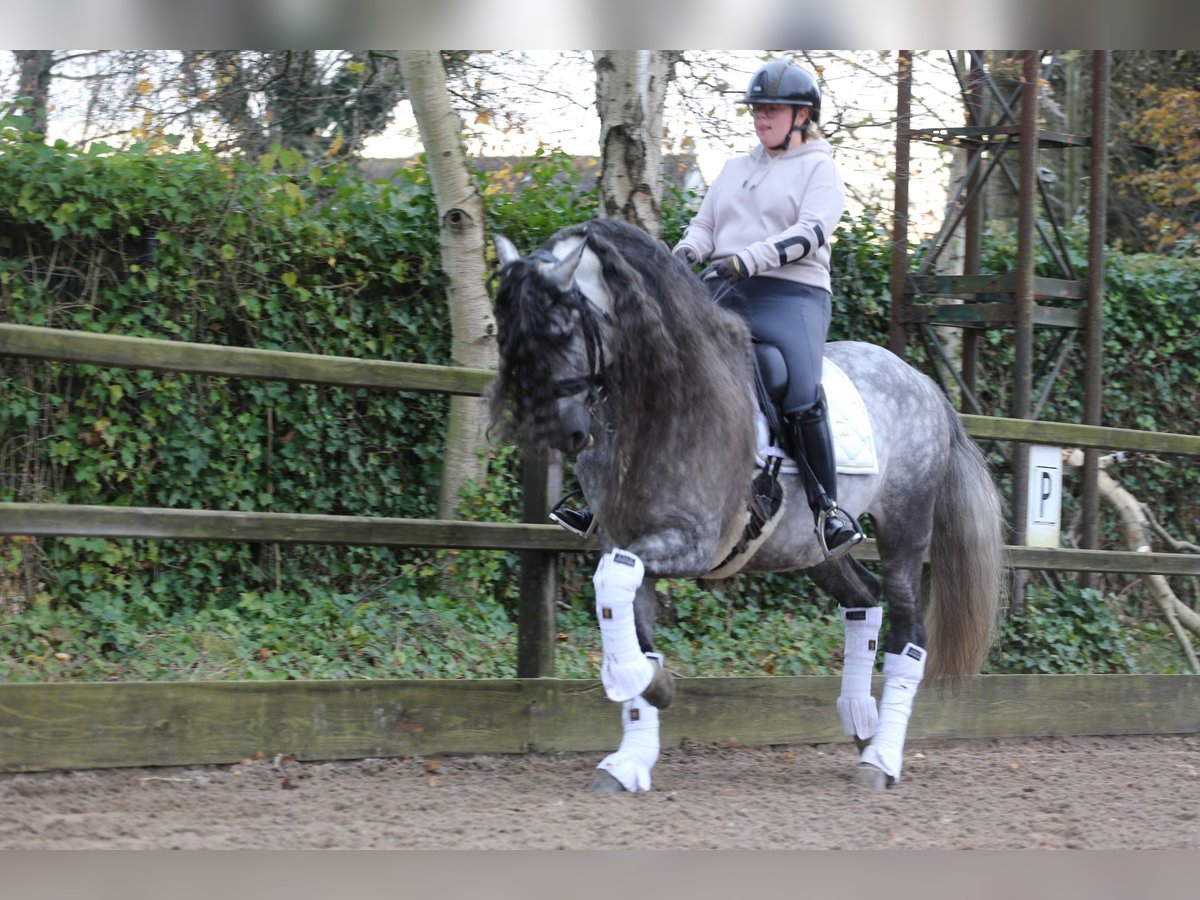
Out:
{"x": 793, "y": 317}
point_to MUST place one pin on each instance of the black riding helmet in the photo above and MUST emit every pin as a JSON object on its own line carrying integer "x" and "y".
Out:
{"x": 780, "y": 81}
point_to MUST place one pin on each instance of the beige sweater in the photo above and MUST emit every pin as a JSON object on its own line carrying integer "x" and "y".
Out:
{"x": 776, "y": 213}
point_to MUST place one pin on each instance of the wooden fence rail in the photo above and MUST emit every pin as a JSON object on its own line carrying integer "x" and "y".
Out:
{"x": 48, "y": 726}
{"x": 36, "y": 342}
{"x": 101, "y": 725}
{"x": 155, "y": 523}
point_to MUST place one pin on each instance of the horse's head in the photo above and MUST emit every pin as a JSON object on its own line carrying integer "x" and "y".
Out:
{"x": 552, "y": 312}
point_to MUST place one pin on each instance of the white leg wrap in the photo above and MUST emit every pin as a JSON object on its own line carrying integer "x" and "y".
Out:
{"x": 855, "y": 705}
{"x": 638, "y": 753}
{"x": 902, "y": 673}
{"x": 625, "y": 671}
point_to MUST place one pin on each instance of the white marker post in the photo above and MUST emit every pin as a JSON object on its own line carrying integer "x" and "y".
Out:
{"x": 1044, "y": 510}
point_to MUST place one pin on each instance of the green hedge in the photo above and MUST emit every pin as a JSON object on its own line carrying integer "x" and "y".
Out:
{"x": 1151, "y": 375}
{"x": 200, "y": 248}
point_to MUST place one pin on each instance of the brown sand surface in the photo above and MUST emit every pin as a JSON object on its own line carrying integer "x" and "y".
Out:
{"x": 1077, "y": 792}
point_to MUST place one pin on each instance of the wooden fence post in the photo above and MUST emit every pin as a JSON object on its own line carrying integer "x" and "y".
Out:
{"x": 537, "y": 620}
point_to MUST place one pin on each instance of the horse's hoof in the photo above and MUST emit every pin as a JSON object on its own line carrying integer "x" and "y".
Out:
{"x": 604, "y": 783}
{"x": 872, "y": 777}
{"x": 661, "y": 690}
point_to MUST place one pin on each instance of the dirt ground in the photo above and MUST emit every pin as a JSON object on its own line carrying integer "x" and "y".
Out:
{"x": 1081, "y": 792}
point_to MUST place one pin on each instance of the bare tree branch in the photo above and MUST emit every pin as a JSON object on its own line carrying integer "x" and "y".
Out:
{"x": 1177, "y": 545}
{"x": 1136, "y": 528}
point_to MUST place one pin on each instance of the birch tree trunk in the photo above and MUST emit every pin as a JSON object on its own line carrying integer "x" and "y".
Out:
{"x": 460, "y": 211}
{"x": 33, "y": 82}
{"x": 631, "y": 87}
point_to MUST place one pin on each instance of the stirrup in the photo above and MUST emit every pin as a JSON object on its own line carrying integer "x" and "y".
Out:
{"x": 843, "y": 548}
{"x": 581, "y": 522}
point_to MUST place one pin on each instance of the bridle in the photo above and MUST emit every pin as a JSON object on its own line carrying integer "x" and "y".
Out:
{"x": 556, "y": 285}
{"x": 591, "y": 317}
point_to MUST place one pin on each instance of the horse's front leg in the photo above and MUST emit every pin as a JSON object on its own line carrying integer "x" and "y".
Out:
{"x": 631, "y": 673}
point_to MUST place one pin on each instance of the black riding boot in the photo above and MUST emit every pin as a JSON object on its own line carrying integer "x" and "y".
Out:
{"x": 807, "y": 437}
{"x": 581, "y": 521}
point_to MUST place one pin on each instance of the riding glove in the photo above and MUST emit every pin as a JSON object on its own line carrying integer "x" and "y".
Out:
{"x": 730, "y": 269}
{"x": 687, "y": 255}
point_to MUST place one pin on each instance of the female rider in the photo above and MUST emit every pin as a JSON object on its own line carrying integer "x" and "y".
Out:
{"x": 765, "y": 225}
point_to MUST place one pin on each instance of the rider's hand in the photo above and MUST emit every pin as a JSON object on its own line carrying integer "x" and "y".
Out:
{"x": 687, "y": 255}
{"x": 731, "y": 269}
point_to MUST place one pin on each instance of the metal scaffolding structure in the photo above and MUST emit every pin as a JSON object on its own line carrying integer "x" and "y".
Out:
{"x": 999, "y": 125}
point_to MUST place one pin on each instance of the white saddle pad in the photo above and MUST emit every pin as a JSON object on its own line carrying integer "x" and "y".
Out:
{"x": 853, "y": 440}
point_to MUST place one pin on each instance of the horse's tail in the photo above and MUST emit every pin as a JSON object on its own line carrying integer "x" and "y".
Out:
{"x": 968, "y": 562}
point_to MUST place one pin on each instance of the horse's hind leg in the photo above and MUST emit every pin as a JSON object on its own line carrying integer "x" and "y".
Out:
{"x": 879, "y": 766}
{"x": 630, "y": 673}
{"x": 661, "y": 690}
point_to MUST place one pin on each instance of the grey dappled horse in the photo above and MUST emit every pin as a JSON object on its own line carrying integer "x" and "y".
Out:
{"x": 611, "y": 349}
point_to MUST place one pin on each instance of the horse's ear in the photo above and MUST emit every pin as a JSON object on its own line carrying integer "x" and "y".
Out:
{"x": 562, "y": 273}
{"x": 506, "y": 250}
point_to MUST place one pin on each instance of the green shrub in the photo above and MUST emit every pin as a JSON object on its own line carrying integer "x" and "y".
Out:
{"x": 1072, "y": 630}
